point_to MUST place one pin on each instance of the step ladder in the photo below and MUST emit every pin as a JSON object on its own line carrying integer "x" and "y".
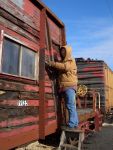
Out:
{"x": 71, "y": 139}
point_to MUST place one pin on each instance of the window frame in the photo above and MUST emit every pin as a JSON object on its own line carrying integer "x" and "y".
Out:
{"x": 36, "y": 70}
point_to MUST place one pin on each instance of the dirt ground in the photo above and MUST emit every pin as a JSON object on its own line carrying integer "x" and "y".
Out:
{"x": 102, "y": 140}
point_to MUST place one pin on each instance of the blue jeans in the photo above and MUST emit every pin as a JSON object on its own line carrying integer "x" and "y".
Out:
{"x": 70, "y": 97}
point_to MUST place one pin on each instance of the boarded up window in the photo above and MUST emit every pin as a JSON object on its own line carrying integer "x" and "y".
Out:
{"x": 18, "y": 59}
{"x": 28, "y": 62}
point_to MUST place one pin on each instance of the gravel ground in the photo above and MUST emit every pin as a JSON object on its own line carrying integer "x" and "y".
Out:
{"x": 102, "y": 140}
{"x": 36, "y": 146}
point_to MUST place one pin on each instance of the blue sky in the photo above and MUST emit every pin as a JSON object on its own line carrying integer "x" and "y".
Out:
{"x": 89, "y": 26}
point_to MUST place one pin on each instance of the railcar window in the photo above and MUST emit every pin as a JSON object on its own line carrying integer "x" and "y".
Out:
{"x": 18, "y": 59}
{"x": 28, "y": 62}
{"x": 10, "y": 57}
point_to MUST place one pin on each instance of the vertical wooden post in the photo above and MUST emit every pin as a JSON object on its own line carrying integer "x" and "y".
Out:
{"x": 42, "y": 105}
{"x": 63, "y": 39}
{"x": 1, "y": 45}
{"x": 81, "y": 139}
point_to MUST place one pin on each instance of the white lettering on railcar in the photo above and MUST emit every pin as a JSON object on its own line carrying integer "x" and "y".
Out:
{"x": 22, "y": 103}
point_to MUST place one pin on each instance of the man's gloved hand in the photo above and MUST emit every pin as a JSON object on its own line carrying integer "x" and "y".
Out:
{"x": 48, "y": 63}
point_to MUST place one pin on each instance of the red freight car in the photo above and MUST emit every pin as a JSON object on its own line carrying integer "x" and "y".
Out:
{"x": 27, "y": 107}
{"x": 29, "y": 34}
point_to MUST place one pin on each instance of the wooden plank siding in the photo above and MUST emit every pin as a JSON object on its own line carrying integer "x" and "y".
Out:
{"x": 28, "y": 106}
{"x": 96, "y": 75}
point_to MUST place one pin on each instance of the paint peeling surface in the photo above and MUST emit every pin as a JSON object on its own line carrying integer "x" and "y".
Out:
{"x": 27, "y": 97}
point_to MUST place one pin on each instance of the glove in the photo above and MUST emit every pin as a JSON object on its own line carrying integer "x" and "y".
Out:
{"x": 48, "y": 63}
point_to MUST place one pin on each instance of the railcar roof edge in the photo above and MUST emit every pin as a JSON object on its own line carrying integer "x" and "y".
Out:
{"x": 49, "y": 12}
{"x": 82, "y": 60}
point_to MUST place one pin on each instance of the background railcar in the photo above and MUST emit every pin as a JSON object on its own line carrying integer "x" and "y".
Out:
{"x": 96, "y": 75}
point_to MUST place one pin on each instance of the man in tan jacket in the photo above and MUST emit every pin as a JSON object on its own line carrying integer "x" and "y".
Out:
{"x": 68, "y": 82}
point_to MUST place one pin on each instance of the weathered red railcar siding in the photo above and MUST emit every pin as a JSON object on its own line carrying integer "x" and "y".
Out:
{"x": 18, "y": 121}
{"x": 27, "y": 106}
{"x": 33, "y": 12}
{"x": 54, "y": 31}
{"x": 93, "y": 74}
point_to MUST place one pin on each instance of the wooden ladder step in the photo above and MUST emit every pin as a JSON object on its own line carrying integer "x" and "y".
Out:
{"x": 69, "y": 146}
{"x": 74, "y": 130}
